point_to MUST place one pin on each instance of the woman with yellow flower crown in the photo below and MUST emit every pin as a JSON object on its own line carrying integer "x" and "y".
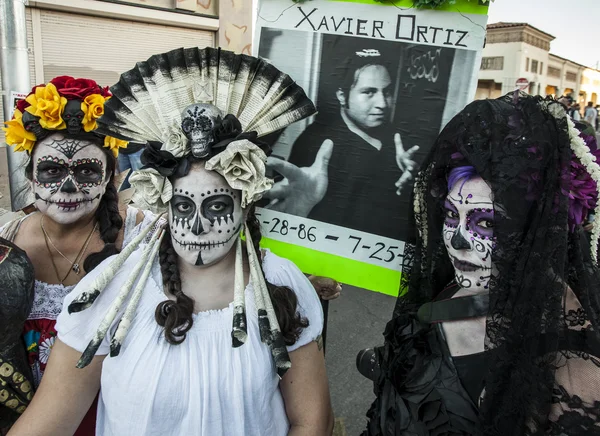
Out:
{"x": 78, "y": 221}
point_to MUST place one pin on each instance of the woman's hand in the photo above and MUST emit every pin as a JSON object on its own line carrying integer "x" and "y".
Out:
{"x": 328, "y": 289}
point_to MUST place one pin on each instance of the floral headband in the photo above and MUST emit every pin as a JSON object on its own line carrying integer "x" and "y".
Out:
{"x": 65, "y": 103}
{"x": 238, "y": 156}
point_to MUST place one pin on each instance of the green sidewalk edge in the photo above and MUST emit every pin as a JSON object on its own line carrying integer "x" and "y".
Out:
{"x": 371, "y": 277}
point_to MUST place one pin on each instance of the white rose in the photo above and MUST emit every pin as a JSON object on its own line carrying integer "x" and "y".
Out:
{"x": 175, "y": 141}
{"x": 150, "y": 190}
{"x": 242, "y": 164}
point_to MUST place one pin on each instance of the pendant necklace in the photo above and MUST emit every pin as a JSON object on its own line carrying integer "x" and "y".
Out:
{"x": 75, "y": 265}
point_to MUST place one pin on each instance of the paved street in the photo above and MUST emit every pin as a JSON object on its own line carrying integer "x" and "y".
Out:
{"x": 356, "y": 321}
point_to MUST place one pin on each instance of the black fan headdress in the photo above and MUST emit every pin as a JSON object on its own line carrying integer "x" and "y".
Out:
{"x": 189, "y": 105}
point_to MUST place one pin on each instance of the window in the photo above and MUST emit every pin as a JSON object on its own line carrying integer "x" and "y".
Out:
{"x": 527, "y": 64}
{"x": 553, "y": 72}
{"x": 492, "y": 63}
{"x": 571, "y": 76}
{"x": 541, "y": 68}
{"x": 534, "y": 66}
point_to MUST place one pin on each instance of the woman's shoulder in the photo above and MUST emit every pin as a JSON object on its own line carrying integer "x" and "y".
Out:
{"x": 10, "y": 229}
{"x": 78, "y": 327}
{"x": 280, "y": 271}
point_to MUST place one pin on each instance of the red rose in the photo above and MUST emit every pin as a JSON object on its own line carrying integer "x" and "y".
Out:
{"x": 78, "y": 89}
{"x": 60, "y": 81}
{"x": 22, "y": 105}
{"x": 106, "y": 92}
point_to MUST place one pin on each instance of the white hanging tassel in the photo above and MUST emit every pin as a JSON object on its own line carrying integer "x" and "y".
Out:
{"x": 127, "y": 318}
{"x": 263, "y": 319}
{"x": 273, "y": 336}
{"x": 113, "y": 310}
{"x": 239, "y": 334}
{"x": 87, "y": 297}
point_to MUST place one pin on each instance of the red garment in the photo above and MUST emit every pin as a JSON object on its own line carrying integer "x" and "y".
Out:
{"x": 40, "y": 336}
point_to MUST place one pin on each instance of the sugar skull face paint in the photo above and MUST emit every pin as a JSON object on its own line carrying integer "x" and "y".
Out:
{"x": 205, "y": 216}
{"x": 469, "y": 232}
{"x": 69, "y": 177}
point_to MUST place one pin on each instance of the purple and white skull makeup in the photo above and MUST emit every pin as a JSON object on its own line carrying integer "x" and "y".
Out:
{"x": 205, "y": 216}
{"x": 69, "y": 177}
{"x": 469, "y": 232}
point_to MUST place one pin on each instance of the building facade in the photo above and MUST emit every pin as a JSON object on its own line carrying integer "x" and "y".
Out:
{"x": 520, "y": 51}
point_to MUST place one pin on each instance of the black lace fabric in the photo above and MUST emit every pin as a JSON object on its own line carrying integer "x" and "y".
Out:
{"x": 542, "y": 325}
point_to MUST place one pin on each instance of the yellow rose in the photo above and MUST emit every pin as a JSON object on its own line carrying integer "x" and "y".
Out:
{"x": 114, "y": 144}
{"x": 48, "y": 105}
{"x": 93, "y": 108}
{"x": 17, "y": 136}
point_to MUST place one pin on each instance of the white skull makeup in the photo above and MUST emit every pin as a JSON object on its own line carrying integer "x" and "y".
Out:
{"x": 205, "y": 216}
{"x": 69, "y": 178}
{"x": 469, "y": 232}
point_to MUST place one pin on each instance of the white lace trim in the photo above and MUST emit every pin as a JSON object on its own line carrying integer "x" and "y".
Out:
{"x": 48, "y": 299}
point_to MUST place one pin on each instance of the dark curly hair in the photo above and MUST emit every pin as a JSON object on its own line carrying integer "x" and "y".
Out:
{"x": 107, "y": 215}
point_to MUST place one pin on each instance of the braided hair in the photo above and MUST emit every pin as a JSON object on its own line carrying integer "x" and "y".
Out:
{"x": 174, "y": 316}
{"x": 109, "y": 222}
{"x": 107, "y": 214}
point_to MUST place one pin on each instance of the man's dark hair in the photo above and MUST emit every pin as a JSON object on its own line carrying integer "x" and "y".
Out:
{"x": 350, "y": 67}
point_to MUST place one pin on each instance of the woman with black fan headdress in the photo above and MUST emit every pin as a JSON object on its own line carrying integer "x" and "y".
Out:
{"x": 207, "y": 333}
{"x": 76, "y": 221}
{"x": 497, "y": 333}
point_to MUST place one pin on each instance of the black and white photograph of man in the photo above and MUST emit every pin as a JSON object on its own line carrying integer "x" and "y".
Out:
{"x": 380, "y": 107}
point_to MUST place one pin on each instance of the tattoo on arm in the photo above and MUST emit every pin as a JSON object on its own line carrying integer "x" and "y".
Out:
{"x": 319, "y": 342}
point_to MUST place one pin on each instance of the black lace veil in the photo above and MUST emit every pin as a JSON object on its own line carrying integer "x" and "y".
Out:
{"x": 544, "y": 302}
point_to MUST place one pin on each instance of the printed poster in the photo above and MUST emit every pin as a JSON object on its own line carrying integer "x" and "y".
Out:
{"x": 14, "y": 99}
{"x": 385, "y": 79}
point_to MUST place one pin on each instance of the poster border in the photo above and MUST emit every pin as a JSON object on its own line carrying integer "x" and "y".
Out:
{"x": 461, "y": 6}
{"x": 349, "y": 271}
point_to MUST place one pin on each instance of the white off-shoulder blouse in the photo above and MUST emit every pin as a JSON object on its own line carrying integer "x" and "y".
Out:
{"x": 203, "y": 386}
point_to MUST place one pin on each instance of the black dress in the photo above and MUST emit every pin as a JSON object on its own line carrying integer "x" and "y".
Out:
{"x": 424, "y": 391}
{"x": 16, "y": 298}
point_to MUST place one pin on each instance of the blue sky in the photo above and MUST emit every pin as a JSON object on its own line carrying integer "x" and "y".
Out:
{"x": 575, "y": 24}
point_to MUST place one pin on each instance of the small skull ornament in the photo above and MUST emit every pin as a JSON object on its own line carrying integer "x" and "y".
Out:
{"x": 198, "y": 122}
{"x": 73, "y": 115}
{"x": 32, "y": 124}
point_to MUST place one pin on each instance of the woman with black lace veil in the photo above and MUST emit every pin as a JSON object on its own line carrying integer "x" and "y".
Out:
{"x": 497, "y": 331}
